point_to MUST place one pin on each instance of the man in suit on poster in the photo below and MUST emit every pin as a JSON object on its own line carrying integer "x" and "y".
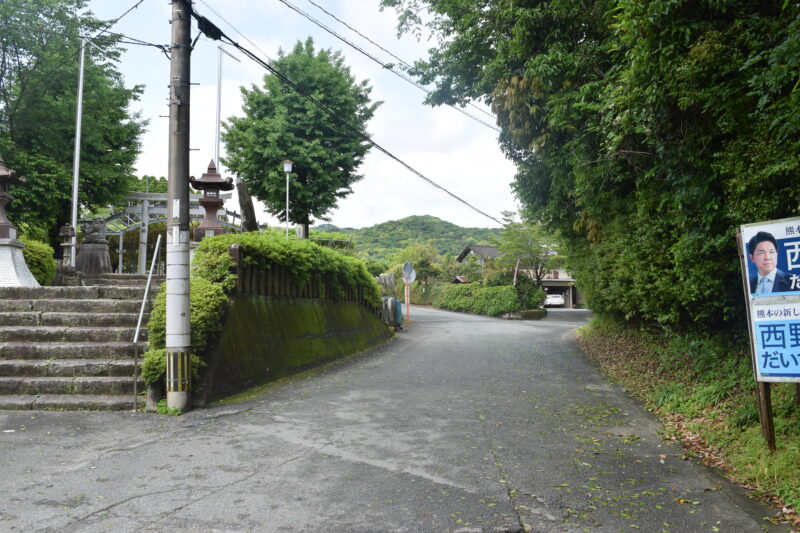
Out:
{"x": 763, "y": 252}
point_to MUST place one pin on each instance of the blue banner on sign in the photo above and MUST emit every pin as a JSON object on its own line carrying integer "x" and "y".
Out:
{"x": 778, "y": 348}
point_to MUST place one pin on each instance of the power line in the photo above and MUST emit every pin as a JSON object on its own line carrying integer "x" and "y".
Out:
{"x": 381, "y": 63}
{"x": 122, "y": 38}
{"x": 254, "y": 45}
{"x": 402, "y": 62}
{"x": 205, "y": 23}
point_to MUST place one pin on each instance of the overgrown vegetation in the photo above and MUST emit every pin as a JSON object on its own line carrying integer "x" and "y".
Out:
{"x": 704, "y": 391}
{"x": 643, "y": 132}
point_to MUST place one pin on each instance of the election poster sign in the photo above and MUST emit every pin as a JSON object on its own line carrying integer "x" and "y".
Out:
{"x": 776, "y": 331}
{"x": 772, "y": 250}
{"x": 771, "y": 265}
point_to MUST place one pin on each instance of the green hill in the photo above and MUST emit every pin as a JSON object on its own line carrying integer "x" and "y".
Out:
{"x": 382, "y": 240}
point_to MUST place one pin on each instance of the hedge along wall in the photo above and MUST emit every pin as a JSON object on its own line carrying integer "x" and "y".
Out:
{"x": 292, "y": 305}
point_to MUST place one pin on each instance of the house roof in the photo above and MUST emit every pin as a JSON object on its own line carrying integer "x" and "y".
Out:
{"x": 482, "y": 250}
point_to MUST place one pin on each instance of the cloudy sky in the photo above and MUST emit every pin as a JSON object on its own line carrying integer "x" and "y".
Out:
{"x": 451, "y": 149}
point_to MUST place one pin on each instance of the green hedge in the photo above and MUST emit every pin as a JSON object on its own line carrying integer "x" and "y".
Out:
{"x": 483, "y": 301}
{"x": 39, "y": 257}
{"x": 207, "y": 302}
{"x": 212, "y": 279}
{"x": 303, "y": 259}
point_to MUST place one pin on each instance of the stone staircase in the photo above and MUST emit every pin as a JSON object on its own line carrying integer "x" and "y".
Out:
{"x": 71, "y": 347}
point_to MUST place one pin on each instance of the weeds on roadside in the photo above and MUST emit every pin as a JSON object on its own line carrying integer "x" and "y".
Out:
{"x": 162, "y": 409}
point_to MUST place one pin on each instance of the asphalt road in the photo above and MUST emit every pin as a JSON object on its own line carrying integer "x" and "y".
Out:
{"x": 461, "y": 423}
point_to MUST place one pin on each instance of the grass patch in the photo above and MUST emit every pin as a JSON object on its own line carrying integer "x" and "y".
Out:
{"x": 703, "y": 389}
{"x": 162, "y": 409}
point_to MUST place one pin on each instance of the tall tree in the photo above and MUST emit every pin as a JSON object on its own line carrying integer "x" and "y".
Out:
{"x": 39, "y": 64}
{"x": 279, "y": 123}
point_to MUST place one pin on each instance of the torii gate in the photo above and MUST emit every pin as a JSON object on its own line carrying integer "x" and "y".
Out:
{"x": 145, "y": 208}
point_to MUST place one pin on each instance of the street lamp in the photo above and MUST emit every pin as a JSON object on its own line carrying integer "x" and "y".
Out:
{"x": 287, "y": 167}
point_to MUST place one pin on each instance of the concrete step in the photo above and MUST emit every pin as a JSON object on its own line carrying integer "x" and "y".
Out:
{"x": 91, "y": 292}
{"x": 69, "y": 350}
{"x": 82, "y": 385}
{"x": 67, "y": 368}
{"x": 69, "y": 334}
{"x": 69, "y": 402}
{"x": 72, "y": 305}
{"x": 35, "y": 318}
{"x": 123, "y": 279}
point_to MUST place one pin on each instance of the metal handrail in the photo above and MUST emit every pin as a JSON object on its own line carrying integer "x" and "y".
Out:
{"x": 139, "y": 325}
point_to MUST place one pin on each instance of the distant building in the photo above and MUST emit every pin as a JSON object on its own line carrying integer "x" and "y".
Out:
{"x": 482, "y": 253}
{"x": 559, "y": 281}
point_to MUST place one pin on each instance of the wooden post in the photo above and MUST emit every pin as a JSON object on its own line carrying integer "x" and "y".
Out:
{"x": 764, "y": 400}
{"x": 408, "y": 301}
{"x": 765, "y": 413}
{"x": 235, "y": 251}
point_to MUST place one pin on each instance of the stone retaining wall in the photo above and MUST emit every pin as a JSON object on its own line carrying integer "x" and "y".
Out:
{"x": 268, "y": 337}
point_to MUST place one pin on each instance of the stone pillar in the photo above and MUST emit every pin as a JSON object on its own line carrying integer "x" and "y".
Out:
{"x": 143, "y": 237}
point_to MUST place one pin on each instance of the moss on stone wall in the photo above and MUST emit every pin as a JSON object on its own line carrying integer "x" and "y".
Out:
{"x": 266, "y": 338}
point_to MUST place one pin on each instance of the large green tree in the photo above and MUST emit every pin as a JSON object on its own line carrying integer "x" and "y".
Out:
{"x": 280, "y": 123}
{"x": 644, "y": 132}
{"x": 39, "y": 64}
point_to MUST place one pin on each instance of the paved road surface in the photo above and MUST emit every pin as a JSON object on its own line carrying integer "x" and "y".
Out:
{"x": 461, "y": 423}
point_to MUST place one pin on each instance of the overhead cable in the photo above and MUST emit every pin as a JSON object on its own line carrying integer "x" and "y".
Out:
{"x": 383, "y": 65}
{"x": 405, "y": 64}
{"x": 332, "y": 114}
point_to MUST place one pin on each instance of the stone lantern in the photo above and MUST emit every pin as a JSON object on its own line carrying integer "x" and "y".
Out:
{"x": 66, "y": 233}
{"x": 211, "y": 183}
{"x": 14, "y": 271}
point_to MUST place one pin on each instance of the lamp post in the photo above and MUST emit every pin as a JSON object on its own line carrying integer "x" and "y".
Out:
{"x": 287, "y": 168}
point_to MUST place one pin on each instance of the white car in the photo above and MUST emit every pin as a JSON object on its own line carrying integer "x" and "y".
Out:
{"x": 554, "y": 299}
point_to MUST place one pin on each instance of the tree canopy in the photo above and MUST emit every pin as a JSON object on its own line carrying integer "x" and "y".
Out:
{"x": 279, "y": 123}
{"x": 39, "y": 64}
{"x": 526, "y": 244}
{"x": 644, "y": 132}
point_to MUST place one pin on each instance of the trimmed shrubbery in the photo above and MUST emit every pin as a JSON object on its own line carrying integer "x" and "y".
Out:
{"x": 206, "y": 311}
{"x": 303, "y": 260}
{"x": 483, "y": 301}
{"x": 212, "y": 280}
{"x": 39, "y": 257}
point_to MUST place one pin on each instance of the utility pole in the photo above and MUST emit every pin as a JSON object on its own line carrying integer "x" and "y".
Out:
{"x": 178, "y": 339}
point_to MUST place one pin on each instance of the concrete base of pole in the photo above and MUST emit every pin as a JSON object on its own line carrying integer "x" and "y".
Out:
{"x": 178, "y": 400}
{"x": 178, "y": 380}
